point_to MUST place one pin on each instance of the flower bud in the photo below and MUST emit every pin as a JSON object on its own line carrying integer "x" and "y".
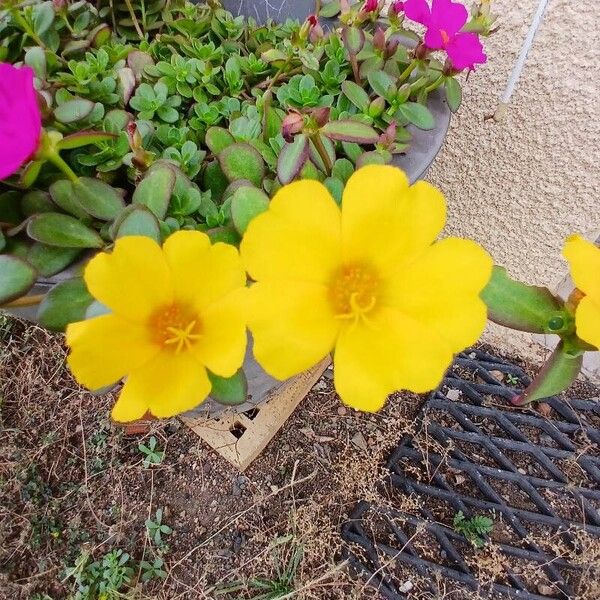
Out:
{"x": 379, "y": 39}
{"x": 292, "y": 124}
{"x": 320, "y": 115}
{"x": 376, "y": 107}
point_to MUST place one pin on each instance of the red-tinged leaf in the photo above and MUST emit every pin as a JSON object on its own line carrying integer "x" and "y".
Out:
{"x": 354, "y": 39}
{"x": 292, "y": 158}
{"x": 559, "y": 372}
{"x": 350, "y": 131}
{"x": 520, "y": 306}
{"x": 84, "y": 138}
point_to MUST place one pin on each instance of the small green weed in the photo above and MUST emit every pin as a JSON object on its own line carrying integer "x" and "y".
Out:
{"x": 153, "y": 570}
{"x": 106, "y": 578}
{"x": 512, "y": 379}
{"x": 474, "y": 528}
{"x": 156, "y": 528}
{"x": 153, "y": 455}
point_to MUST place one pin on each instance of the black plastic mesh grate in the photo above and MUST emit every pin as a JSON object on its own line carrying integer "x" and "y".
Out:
{"x": 537, "y": 477}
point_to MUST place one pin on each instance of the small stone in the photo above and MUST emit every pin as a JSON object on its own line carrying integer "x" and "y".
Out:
{"x": 358, "y": 439}
{"x": 274, "y": 488}
{"x": 453, "y": 395}
{"x": 497, "y": 375}
{"x": 546, "y": 590}
{"x": 319, "y": 386}
{"x": 342, "y": 411}
{"x": 544, "y": 409}
{"x": 182, "y": 514}
{"x": 406, "y": 587}
{"x": 522, "y": 471}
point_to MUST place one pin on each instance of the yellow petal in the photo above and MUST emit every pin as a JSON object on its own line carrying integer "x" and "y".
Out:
{"x": 297, "y": 238}
{"x": 202, "y": 273}
{"x": 133, "y": 280}
{"x": 441, "y": 290}
{"x": 222, "y": 346}
{"x": 587, "y": 321}
{"x": 387, "y": 222}
{"x": 105, "y": 349}
{"x": 292, "y": 325}
{"x": 168, "y": 385}
{"x": 388, "y": 353}
{"x": 584, "y": 260}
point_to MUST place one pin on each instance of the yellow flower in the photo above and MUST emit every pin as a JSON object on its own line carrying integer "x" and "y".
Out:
{"x": 176, "y": 312}
{"x": 584, "y": 260}
{"x": 365, "y": 281}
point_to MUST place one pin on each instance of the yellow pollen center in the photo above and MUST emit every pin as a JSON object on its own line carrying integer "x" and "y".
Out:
{"x": 445, "y": 36}
{"x": 175, "y": 326}
{"x": 353, "y": 291}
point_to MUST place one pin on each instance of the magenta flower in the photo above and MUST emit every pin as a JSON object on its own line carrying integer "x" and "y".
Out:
{"x": 20, "y": 118}
{"x": 370, "y": 6}
{"x": 444, "y": 20}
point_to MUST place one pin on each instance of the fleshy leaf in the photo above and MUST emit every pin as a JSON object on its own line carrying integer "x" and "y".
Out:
{"x": 50, "y": 260}
{"x": 16, "y": 277}
{"x": 559, "y": 372}
{"x": 347, "y": 130}
{"x": 67, "y": 302}
{"x": 354, "y": 39}
{"x": 97, "y": 198}
{"x": 242, "y": 161}
{"x": 137, "y": 220}
{"x": 292, "y": 158}
{"x": 417, "y": 114}
{"x": 230, "y": 391}
{"x": 84, "y": 138}
{"x": 356, "y": 95}
{"x": 37, "y": 202}
{"x": 64, "y": 231}
{"x": 156, "y": 189}
{"x": 520, "y": 306}
{"x": 247, "y": 203}
{"x": 217, "y": 139}
{"x": 453, "y": 93}
{"x": 63, "y": 196}
{"x": 74, "y": 110}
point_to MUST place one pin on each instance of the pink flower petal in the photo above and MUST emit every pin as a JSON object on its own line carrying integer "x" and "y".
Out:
{"x": 433, "y": 38}
{"x": 20, "y": 118}
{"x": 449, "y": 16}
{"x": 465, "y": 51}
{"x": 418, "y": 11}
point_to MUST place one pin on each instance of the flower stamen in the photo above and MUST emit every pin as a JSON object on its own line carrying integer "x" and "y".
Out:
{"x": 353, "y": 292}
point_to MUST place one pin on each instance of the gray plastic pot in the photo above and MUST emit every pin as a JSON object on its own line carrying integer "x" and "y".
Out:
{"x": 424, "y": 146}
{"x": 278, "y": 10}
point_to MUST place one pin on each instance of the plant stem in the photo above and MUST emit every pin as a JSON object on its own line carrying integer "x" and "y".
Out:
{"x": 134, "y": 19}
{"x": 57, "y": 161}
{"x": 25, "y": 301}
{"x": 436, "y": 84}
{"x": 407, "y": 72}
{"x": 318, "y": 142}
{"x": 355, "y": 69}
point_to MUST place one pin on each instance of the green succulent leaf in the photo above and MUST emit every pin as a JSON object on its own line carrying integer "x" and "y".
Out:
{"x": 16, "y": 277}
{"x": 292, "y": 158}
{"x": 453, "y": 93}
{"x": 137, "y": 220}
{"x": 347, "y": 130}
{"x": 84, "y": 138}
{"x": 230, "y": 391}
{"x": 246, "y": 204}
{"x": 97, "y": 198}
{"x": 558, "y": 373}
{"x": 156, "y": 189}
{"x": 64, "y": 231}
{"x": 218, "y": 138}
{"x": 356, "y": 95}
{"x": 67, "y": 302}
{"x": 50, "y": 260}
{"x": 417, "y": 114}
{"x": 521, "y": 306}
{"x": 242, "y": 161}
{"x": 74, "y": 110}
